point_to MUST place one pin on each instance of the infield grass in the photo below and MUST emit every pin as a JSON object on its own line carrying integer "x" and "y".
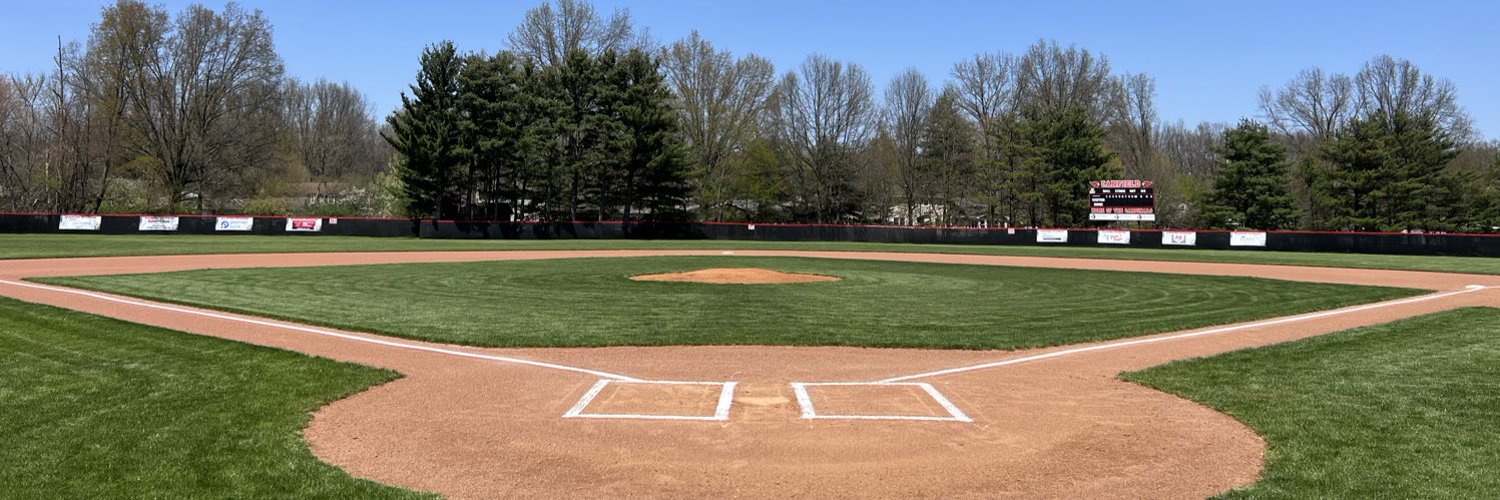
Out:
{"x": 93, "y": 407}
{"x": 591, "y": 302}
{"x": 20, "y": 246}
{"x": 1409, "y": 409}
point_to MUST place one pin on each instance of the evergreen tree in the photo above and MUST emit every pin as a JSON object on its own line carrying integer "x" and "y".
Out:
{"x": 493, "y": 104}
{"x": 1056, "y": 152}
{"x": 1250, "y": 189}
{"x": 653, "y": 172}
{"x": 427, "y": 133}
{"x": 947, "y": 156}
{"x": 1387, "y": 173}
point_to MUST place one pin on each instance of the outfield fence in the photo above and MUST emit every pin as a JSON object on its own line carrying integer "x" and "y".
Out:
{"x": 1481, "y": 245}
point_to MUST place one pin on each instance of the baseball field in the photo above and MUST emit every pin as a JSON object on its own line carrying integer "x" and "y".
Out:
{"x": 179, "y": 366}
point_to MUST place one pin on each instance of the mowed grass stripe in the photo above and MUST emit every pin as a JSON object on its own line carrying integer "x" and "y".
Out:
{"x": 92, "y": 407}
{"x": 591, "y": 302}
{"x": 24, "y": 246}
{"x": 1409, "y": 409}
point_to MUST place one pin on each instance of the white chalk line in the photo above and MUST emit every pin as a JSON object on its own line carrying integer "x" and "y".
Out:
{"x": 324, "y": 332}
{"x": 721, "y": 410}
{"x": 1227, "y": 329}
{"x": 810, "y": 412}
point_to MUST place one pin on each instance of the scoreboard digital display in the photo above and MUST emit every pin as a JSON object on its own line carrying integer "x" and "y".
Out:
{"x": 1122, "y": 200}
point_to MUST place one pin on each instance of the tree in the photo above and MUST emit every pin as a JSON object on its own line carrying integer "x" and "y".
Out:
{"x": 1052, "y": 79}
{"x": 1389, "y": 87}
{"x": 550, "y": 35}
{"x": 907, "y": 103}
{"x": 719, "y": 101}
{"x": 202, "y": 94}
{"x": 1250, "y": 190}
{"x": 1134, "y": 118}
{"x": 652, "y": 175}
{"x": 822, "y": 115}
{"x": 493, "y": 104}
{"x": 985, "y": 88}
{"x": 427, "y": 134}
{"x": 948, "y": 156}
{"x": 1055, "y": 153}
{"x": 1314, "y": 103}
{"x": 331, "y": 131}
{"x": 1387, "y": 173}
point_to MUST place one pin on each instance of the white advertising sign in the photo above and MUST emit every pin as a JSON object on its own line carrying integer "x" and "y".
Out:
{"x": 304, "y": 225}
{"x": 1052, "y": 236}
{"x": 1247, "y": 239}
{"x": 234, "y": 223}
{"x": 1179, "y": 238}
{"x": 1114, "y": 237}
{"x": 158, "y": 223}
{"x": 80, "y": 223}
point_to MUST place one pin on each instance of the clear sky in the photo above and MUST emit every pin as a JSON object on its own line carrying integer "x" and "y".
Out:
{"x": 1209, "y": 57}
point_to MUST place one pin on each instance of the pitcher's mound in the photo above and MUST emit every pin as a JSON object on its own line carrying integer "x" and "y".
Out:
{"x": 738, "y": 276}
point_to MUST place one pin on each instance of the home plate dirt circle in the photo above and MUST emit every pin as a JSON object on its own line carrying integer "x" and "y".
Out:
{"x": 755, "y": 421}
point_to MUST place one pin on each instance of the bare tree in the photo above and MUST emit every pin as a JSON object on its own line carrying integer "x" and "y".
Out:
{"x": 1388, "y": 85}
{"x": 202, "y": 97}
{"x": 1052, "y": 77}
{"x": 907, "y": 103}
{"x": 985, "y": 88}
{"x": 1132, "y": 131}
{"x": 1314, "y": 102}
{"x": 547, "y": 35}
{"x": 719, "y": 101}
{"x": 821, "y": 116}
{"x": 331, "y": 131}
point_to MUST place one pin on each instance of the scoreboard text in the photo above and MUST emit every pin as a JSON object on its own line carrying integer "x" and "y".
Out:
{"x": 1122, "y": 200}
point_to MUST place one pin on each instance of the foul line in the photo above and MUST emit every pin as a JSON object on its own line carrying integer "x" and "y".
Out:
{"x": 328, "y": 333}
{"x": 1227, "y": 329}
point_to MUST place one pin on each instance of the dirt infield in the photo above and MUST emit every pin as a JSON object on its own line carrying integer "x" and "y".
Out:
{"x": 736, "y": 276}
{"x": 1054, "y": 422}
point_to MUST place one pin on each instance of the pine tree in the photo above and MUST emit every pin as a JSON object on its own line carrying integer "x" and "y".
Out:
{"x": 653, "y": 173}
{"x": 427, "y": 133}
{"x": 493, "y": 104}
{"x": 1055, "y": 153}
{"x": 1388, "y": 173}
{"x": 1250, "y": 189}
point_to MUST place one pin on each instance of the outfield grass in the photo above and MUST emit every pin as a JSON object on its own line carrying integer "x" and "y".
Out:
{"x": 591, "y": 302}
{"x": 1409, "y": 409}
{"x": 19, "y": 246}
{"x": 92, "y": 407}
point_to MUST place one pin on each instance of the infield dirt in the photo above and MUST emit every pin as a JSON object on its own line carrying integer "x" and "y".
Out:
{"x": 473, "y": 428}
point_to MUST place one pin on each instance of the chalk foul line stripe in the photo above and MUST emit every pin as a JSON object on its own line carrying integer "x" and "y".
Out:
{"x": 323, "y": 332}
{"x": 1226, "y": 329}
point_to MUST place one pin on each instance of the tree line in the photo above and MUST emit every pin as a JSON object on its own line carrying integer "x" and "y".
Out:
{"x": 192, "y": 112}
{"x": 583, "y": 116}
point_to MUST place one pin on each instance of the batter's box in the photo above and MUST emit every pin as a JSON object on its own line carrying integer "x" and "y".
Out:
{"x": 876, "y": 401}
{"x": 655, "y": 400}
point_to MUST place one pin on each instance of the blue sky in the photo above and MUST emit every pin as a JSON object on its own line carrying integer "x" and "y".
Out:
{"x": 1209, "y": 57}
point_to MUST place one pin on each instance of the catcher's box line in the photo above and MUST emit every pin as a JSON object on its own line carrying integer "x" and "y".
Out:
{"x": 1227, "y": 329}
{"x": 721, "y": 410}
{"x": 324, "y": 332}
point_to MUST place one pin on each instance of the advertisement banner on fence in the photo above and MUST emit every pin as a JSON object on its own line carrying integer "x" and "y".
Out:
{"x": 1113, "y": 237}
{"x": 1247, "y": 239}
{"x": 234, "y": 223}
{"x": 304, "y": 225}
{"x": 158, "y": 223}
{"x": 1052, "y": 236}
{"x": 1179, "y": 238}
{"x": 80, "y": 223}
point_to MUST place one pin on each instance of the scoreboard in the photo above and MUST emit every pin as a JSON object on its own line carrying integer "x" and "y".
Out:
{"x": 1122, "y": 200}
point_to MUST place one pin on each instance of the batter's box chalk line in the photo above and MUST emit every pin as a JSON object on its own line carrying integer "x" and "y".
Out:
{"x": 810, "y": 412}
{"x": 721, "y": 411}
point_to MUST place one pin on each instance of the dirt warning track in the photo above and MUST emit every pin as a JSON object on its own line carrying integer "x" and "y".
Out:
{"x": 769, "y": 421}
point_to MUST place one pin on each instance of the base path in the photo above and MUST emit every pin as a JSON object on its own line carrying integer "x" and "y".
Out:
{"x": 769, "y": 421}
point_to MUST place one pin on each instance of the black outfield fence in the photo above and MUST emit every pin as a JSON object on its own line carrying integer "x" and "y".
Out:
{"x": 1297, "y": 241}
